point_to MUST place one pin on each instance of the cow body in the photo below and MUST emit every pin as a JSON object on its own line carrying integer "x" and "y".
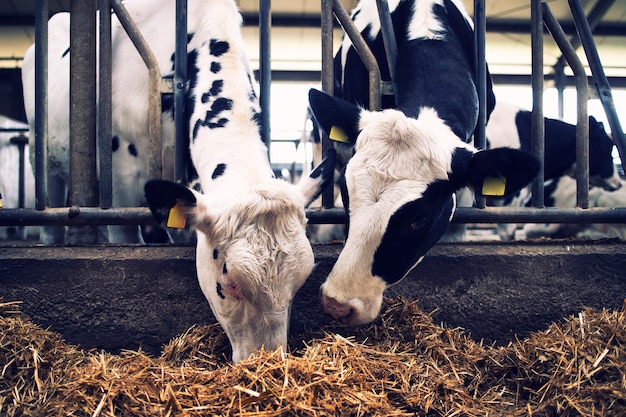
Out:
{"x": 252, "y": 252}
{"x": 407, "y": 161}
{"x": 561, "y": 192}
{"x": 510, "y": 126}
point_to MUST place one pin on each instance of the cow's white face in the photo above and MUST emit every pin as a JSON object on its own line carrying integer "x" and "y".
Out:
{"x": 396, "y": 210}
{"x": 400, "y": 186}
{"x": 251, "y": 259}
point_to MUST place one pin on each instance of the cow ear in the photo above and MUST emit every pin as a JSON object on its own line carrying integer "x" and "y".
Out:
{"x": 176, "y": 205}
{"x": 320, "y": 178}
{"x": 337, "y": 117}
{"x": 501, "y": 171}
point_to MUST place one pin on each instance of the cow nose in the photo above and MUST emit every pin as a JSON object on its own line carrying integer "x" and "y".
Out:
{"x": 336, "y": 309}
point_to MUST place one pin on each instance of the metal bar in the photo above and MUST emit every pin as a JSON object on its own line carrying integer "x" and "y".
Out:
{"x": 154, "y": 89}
{"x": 180, "y": 80}
{"x": 83, "y": 183}
{"x": 41, "y": 104}
{"x": 389, "y": 40}
{"x": 105, "y": 54}
{"x": 537, "y": 121}
{"x": 265, "y": 68}
{"x": 21, "y": 142}
{"x": 582, "y": 122}
{"x": 601, "y": 83}
{"x": 481, "y": 82}
{"x": 327, "y": 78}
{"x": 364, "y": 52}
{"x": 75, "y": 216}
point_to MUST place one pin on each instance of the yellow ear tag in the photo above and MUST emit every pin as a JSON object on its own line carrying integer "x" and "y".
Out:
{"x": 494, "y": 186}
{"x": 176, "y": 218}
{"x": 337, "y": 134}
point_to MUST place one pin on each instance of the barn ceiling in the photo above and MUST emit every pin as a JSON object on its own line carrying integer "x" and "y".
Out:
{"x": 296, "y": 36}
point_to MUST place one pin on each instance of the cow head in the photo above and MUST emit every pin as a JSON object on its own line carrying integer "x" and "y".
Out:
{"x": 252, "y": 252}
{"x": 400, "y": 185}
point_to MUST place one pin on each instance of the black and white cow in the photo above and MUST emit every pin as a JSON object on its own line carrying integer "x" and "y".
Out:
{"x": 408, "y": 160}
{"x": 510, "y": 126}
{"x": 252, "y": 252}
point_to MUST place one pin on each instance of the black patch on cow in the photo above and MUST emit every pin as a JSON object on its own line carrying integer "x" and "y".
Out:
{"x": 218, "y": 48}
{"x": 216, "y": 87}
{"x": 66, "y": 52}
{"x": 132, "y": 150}
{"x": 190, "y": 36}
{"x": 167, "y": 103}
{"x": 412, "y": 230}
{"x": 211, "y": 119}
{"x": 115, "y": 143}
{"x": 219, "y": 291}
{"x": 192, "y": 76}
{"x": 218, "y": 171}
{"x": 216, "y": 253}
{"x": 224, "y": 270}
{"x": 216, "y": 67}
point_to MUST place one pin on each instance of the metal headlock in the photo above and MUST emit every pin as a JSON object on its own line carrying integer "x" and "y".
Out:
{"x": 104, "y": 214}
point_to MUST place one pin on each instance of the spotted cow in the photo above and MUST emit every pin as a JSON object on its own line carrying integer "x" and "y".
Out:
{"x": 252, "y": 252}
{"x": 510, "y": 126}
{"x": 408, "y": 160}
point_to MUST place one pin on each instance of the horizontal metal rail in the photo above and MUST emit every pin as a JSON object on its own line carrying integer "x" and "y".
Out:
{"x": 80, "y": 216}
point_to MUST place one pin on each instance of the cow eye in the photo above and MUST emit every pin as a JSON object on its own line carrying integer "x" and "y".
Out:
{"x": 417, "y": 224}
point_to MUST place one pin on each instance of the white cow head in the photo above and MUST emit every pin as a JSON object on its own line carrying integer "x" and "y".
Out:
{"x": 400, "y": 187}
{"x": 252, "y": 252}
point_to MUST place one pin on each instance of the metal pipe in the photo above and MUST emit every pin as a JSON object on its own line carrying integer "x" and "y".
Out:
{"x": 582, "y": 123}
{"x": 21, "y": 142}
{"x": 364, "y": 52}
{"x": 537, "y": 121}
{"x": 154, "y": 88}
{"x": 265, "y": 69}
{"x": 105, "y": 105}
{"x": 328, "y": 195}
{"x": 480, "y": 26}
{"x": 180, "y": 80}
{"x": 83, "y": 183}
{"x": 601, "y": 83}
{"x": 41, "y": 104}
{"x": 389, "y": 40}
{"x": 75, "y": 216}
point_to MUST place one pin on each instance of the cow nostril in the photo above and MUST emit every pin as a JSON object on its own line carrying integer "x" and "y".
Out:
{"x": 336, "y": 309}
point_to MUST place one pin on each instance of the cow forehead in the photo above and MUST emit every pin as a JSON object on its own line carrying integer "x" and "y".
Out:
{"x": 403, "y": 148}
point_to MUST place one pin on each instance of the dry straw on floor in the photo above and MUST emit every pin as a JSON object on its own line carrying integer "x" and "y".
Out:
{"x": 404, "y": 364}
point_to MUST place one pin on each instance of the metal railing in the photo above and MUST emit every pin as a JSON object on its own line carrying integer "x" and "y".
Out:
{"x": 107, "y": 215}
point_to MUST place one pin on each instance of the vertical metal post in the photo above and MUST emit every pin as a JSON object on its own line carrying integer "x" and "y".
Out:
{"x": 599, "y": 78}
{"x": 105, "y": 105}
{"x": 582, "y": 123}
{"x": 328, "y": 197}
{"x": 83, "y": 188}
{"x": 265, "y": 69}
{"x": 180, "y": 80}
{"x": 537, "y": 122}
{"x": 389, "y": 40}
{"x": 41, "y": 104}
{"x": 480, "y": 27}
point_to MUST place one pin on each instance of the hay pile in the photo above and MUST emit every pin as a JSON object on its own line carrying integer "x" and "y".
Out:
{"x": 401, "y": 365}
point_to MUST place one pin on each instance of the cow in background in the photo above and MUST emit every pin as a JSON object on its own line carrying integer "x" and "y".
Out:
{"x": 561, "y": 192}
{"x": 510, "y": 126}
{"x": 252, "y": 252}
{"x": 9, "y": 178}
{"x": 406, "y": 162}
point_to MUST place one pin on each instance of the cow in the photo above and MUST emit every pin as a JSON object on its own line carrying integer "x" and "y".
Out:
{"x": 252, "y": 253}
{"x": 407, "y": 160}
{"x": 9, "y": 177}
{"x": 510, "y": 126}
{"x": 561, "y": 192}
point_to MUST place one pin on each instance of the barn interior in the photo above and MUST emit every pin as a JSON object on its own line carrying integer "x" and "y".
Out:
{"x": 120, "y": 297}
